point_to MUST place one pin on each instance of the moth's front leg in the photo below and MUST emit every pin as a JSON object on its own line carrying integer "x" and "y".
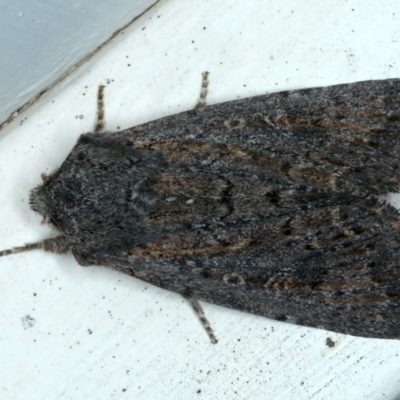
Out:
{"x": 58, "y": 244}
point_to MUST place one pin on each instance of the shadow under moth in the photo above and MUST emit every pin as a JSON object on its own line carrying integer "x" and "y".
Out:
{"x": 267, "y": 205}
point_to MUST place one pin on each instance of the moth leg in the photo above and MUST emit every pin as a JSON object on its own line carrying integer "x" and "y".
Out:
{"x": 99, "y": 126}
{"x": 203, "y": 92}
{"x": 59, "y": 245}
{"x": 198, "y": 310}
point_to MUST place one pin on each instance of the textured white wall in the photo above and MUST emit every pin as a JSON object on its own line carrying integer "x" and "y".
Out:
{"x": 40, "y": 40}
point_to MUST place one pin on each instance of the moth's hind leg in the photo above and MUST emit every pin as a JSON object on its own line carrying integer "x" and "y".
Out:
{"x": 203, "y": 92}
{"x": 198, "y": 310}
{"x": 99, "y": 126}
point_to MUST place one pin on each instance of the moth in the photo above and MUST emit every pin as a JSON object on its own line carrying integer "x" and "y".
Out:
{"x": 266, "y": 205}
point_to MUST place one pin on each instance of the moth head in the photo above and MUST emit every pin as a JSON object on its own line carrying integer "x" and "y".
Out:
{"x": 39, "y": 201}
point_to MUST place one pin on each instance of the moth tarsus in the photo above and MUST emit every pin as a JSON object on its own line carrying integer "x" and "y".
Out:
{"x": 20, "y": 249}
{"x": 58, "y": 244}
{"x": 266, "y": 205}
{"x": 203, "y": 92}
{"x": 198, "y": 310}
{"x": 99, "y": 126}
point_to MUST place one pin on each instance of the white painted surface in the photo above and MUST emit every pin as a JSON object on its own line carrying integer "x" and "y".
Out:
{"x": 98, "y": 332}
{"x": 41, "y": 40}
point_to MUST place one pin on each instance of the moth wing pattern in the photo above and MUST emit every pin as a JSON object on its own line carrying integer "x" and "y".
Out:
{"x": 265, "y": 205}
{"x": 344, "y": 137}
{"x": 295, "y": 255}
{"x": 296, "y": 235}
{"x": 341, "y": 274}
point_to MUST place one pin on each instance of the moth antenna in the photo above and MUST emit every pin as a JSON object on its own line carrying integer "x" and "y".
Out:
{"x": 198, "y": 310}
{"x": 100, "y": 110}
{"x": 57, "y": 244}
{"x": 203, "y": 92}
